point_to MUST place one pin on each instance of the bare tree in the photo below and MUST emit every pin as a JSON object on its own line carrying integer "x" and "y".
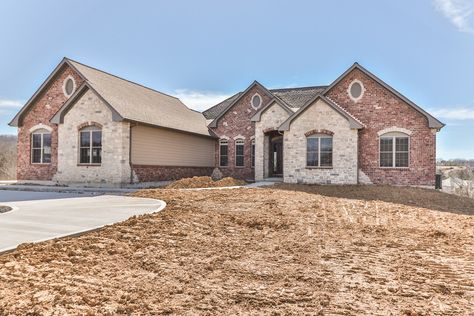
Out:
{"x": 463, "y": 182}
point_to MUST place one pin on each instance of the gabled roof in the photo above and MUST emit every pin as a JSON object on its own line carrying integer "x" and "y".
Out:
{"x": 292, "y": 97}
{"x": 297, "y": 97}
{"x": 257, "y": 116}
{"x": 229, "y": 105}
{"x": 214, "y": 111}
{"x": 353, "y": 122}
{"x": 133, "y": 102}
{"x": 432, "y": 121}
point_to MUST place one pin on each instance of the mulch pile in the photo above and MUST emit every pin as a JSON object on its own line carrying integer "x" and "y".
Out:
{"x": 290, "y": 250}
{"x": 4, "y": 209}
{"x": 204, "y": 182}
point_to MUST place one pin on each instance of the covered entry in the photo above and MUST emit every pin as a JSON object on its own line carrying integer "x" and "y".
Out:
{"x": 273, "y": 166}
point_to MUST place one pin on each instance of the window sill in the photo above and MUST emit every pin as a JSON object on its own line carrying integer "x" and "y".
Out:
{"x": 89, "y": 164}
{"x": 395, "y": 168}
{"x": 41, "y": 163}
{"x": 315, "y": 167}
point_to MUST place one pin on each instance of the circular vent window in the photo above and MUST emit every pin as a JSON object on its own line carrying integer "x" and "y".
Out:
{"x": 256, "y": 101}
{"x": 69, "y": 86}
{"x": 356, "y": 90}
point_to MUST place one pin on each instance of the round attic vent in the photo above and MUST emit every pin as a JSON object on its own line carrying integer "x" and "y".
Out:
{"x": 256, "y": 101}
{"x": 69, "y": 86}
{"x": 356, "y": 90}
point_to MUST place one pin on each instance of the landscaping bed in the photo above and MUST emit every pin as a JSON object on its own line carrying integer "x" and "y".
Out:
{"x": 284, "y": 250}
{"x": 204, "y": 182}
{"x": 4, "y": 209}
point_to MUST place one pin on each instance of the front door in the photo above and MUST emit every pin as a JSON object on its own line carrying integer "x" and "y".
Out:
{"x": 276, "y": 157}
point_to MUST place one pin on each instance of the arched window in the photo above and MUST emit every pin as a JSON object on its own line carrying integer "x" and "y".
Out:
{"x": 394, "y": 150}
{"x": 319, "y": 150}
{"x": 41, "y": 146}
{"x": 239, "y": 152}
{"x": 223, "y": 153}
{"x": 90, "y": 141}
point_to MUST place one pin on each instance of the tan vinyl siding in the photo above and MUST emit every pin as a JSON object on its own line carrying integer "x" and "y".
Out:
{"x": 162, "y": 147}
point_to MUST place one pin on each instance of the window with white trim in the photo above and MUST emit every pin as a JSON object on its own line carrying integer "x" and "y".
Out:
{"x": 69, "y": 86}
{"x": 253, "y": 153}
{"x": 90, "y": 141}
{"x": 239, "y": 153}
{"x": 256, "y": 101}
{"x": 223, "y": 153}
{"x": 319, "y": 150}
{"x": 41, "y": 147}
{"x": 394, "y": 150}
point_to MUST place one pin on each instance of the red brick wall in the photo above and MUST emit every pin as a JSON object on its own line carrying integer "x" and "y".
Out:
{"x": 163, "y": 173}
{"x": 41, "y": 111}
{"x": 237, "y": 122}
{"x": 379, "y": 109}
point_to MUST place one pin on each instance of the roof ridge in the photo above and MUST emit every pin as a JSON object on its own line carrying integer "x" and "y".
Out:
{"x": 299, "y": 88}
{"x": 121, "y": 78}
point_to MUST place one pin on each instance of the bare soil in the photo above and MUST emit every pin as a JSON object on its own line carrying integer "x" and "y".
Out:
{"x": 284, "y": 250}
{"x": 204, "y": 182}
{"x": 4, "y": 209}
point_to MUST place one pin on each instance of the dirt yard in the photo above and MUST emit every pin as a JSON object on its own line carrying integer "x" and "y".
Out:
{"x": 286, "y": 250}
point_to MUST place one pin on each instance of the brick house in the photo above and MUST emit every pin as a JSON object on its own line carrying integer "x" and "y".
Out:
{"x": 86, "y": 126}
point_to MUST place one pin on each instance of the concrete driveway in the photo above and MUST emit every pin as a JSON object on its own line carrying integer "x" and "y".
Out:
{"x": 40, "y": 220}
{"x": 14, "y": 196}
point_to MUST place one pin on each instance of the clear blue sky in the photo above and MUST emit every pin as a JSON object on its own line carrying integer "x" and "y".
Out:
{"x": 203, "y": 51}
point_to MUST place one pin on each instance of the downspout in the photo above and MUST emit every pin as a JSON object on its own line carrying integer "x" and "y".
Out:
{"x": 130, "y": 154}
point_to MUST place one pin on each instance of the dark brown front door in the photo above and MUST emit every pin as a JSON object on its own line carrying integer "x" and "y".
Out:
{"x": 276, "y": 156}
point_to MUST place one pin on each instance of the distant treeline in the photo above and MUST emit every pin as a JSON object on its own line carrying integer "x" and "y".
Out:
{"x": 7, "y": 157}
{"x": 456, "y": 162}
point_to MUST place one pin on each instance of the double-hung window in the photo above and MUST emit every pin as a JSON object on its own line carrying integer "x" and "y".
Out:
{"x": 90, "y": 151}
{"x": 394, "y": 150}
{"x": 41, "y": 147}
{"x": 319, "y": 151}
{"x": 223, "y": 153}
{"x": 239, "y": 153}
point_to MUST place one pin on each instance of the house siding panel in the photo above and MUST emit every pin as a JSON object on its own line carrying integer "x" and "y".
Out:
{"x": 161, "y": 147}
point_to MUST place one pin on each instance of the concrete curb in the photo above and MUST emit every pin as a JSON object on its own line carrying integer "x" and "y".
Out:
{"x": 39, "y": 188}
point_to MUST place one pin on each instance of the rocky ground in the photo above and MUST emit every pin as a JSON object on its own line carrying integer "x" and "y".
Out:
{"x": 335, "y": 250}
{"x": 4, "y": 209}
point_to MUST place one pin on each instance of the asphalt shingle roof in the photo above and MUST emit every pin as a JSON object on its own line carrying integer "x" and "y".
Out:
{"x": 293, "y": 97}
{"x": 141, "y": 104}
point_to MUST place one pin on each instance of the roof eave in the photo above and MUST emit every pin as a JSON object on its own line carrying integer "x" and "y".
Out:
{"x": 213, "y": 124}
{"x": 353, "y": 124}
{"x": 432, "y": 121}
{"x": 15, "y": 122}
{"x": 257, "y": 116}
{"x": 58, "y": 117}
